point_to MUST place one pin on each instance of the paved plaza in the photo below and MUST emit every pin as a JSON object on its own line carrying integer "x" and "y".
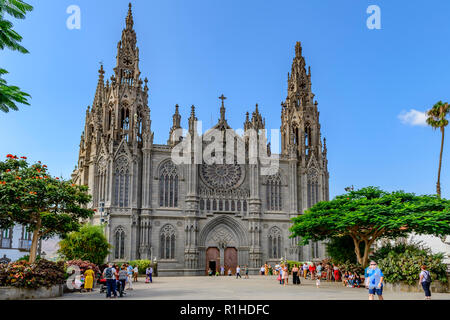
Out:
{"x": 255, "y": 288}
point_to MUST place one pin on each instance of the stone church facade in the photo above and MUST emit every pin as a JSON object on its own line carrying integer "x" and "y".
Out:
{"x": 195, "y": 216}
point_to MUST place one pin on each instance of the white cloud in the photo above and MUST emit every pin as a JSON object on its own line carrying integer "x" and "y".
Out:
{"x": 413, "y": 117}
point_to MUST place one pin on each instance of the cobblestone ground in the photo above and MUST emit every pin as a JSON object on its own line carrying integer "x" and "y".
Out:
{"x": 255, "y": 288}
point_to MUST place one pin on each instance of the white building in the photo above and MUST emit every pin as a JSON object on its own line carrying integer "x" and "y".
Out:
{"x": 14, "y": 243}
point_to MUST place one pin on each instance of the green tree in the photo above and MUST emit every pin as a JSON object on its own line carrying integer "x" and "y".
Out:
{"x": 10, "y": 95}
{"x": 437, "y": 119}
{"x": 341, "y": 249}
{"x": 369, "y": 214}
{"x": 87, "y": 244}
{"x": 47, "y": 206}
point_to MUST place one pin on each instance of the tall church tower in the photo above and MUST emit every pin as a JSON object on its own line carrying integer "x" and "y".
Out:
{"x": 114, "y": 154}
{"x": 301, "y": 141}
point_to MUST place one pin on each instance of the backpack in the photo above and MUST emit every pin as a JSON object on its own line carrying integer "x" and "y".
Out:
{"x": 108, "y": 273}
{"x": 427, "y": 276}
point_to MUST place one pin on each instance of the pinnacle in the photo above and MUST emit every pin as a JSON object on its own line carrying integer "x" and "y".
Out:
{"x": 129, "y": 19}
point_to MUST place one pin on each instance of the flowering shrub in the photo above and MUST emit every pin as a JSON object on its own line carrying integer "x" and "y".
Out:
{"x": 22, "y": 274}
{"x": 84, "y": 265}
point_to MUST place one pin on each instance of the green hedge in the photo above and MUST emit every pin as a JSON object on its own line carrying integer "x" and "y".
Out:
{"x": 143, "y": 265}
{"x": 405, "y": 266}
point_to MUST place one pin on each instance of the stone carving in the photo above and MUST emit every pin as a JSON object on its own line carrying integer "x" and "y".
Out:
{"x": 222, "y": 176}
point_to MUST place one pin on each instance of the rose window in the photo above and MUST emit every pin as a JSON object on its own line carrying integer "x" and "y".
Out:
{"x": 222, "y": 176}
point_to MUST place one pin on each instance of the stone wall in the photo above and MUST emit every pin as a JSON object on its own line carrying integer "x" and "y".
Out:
{"x": 12, "y": 293}
{"x": 436, "y": 287}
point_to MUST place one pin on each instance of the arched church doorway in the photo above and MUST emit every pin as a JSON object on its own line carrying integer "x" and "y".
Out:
{"x": 231, "y": 259}
{"x": 212, "y": 260}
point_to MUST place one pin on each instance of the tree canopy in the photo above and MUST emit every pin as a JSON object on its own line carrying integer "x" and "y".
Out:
{"x": 369, "y": 214}
{"x": 9, "y": 38}
{"x": 47, "y": 206}
{"x": 88, "y": 244}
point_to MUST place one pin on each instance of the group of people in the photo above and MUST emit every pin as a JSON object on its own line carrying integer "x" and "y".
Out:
{"x": 230, "y": 272}
{"x": 117, "y": 278}
{"x": 297, "y": 271}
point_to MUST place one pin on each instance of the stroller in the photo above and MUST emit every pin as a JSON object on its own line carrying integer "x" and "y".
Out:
{"x": 102, "y": 282}
{"x": 103, "y": 288}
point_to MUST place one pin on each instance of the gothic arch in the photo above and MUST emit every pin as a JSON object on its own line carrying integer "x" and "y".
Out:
{"x": 167, "y": 243}
{"x": 231, "y": 224}
{"x": 119, "y": 243}
{"x": 168, "y": 186}
{"x": 122, "y": 181}
{"x": 275, "y": 243}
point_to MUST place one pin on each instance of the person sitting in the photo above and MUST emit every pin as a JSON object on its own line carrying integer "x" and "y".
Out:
{"x": 357, "y": 280}
{"x": 345, "y": 279}
{"x": 209, "y": 272}
{"x": 350, "y": 279}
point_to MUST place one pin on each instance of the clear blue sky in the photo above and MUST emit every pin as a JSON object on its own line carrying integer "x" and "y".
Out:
{"x": 193, "y": 51}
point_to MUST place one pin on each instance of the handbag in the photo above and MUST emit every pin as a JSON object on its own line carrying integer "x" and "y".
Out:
{"x": 279, "y": 277}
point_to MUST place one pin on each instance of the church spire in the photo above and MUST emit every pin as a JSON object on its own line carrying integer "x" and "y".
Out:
{"x": 98, "y": 99}
{"x": 129, "y": 20}
{"x": 222, "y": 108}
{"x": 176, "y": 118}
{"x": 192, "y": 122}
{"x": 127, "y": 65}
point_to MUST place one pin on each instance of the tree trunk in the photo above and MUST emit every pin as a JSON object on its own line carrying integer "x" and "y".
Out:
{"x": 365, "y": 259}
{"x": 35, "y": 241}
{"x": 438, "y": 184}
{"x": 357, "y": 251}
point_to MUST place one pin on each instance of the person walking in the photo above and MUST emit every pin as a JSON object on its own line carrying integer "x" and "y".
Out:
{"x": 123, "y": 276}
{"x": 319, "y": 274}
{"x": 336, "y": 272}
{"x": 374, "y": 281}
{"x": 148, "y": 274}
{"x": 222, "y": 270}
{"x": 135, "y": 273}
{"x": 89, "y": 276}
{"x": 238, "y": 272}
{"x": 130, "y": 277}
{"x": 110, "y": 275}
{"x": 246, "y": 272}
{"x": 425, "y": 281}
{"x": 305, "y": 270}
{"x": 312, "y": 270}
{"x": 295, "y": 277}
{"x": 285, "y": 275}
{"x": 262, "y": 270}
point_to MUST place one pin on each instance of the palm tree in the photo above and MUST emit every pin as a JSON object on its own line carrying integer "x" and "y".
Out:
{"x": 10, "y": 95}
{"x": 437, "y": 119}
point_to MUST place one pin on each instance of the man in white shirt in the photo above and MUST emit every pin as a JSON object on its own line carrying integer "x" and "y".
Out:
{"x": 238, "y": 272}
{"x": 305, "y": 270}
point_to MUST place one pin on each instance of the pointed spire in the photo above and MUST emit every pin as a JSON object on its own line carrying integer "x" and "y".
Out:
{"x": 192, "y": 111}
{"x": 176, "y": 118}
{"x": 98, "y": 98}
{"x": 222, "y": 108}
{"x": 192, "y": 122}
{"x": 129, "y": 19}
{"x": 298, "y": 49}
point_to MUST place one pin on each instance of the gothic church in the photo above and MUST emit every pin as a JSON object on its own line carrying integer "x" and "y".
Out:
{"x": 192, "y": 217}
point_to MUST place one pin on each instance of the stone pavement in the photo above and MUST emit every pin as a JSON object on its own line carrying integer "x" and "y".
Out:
{"x": 255, "y": 288}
